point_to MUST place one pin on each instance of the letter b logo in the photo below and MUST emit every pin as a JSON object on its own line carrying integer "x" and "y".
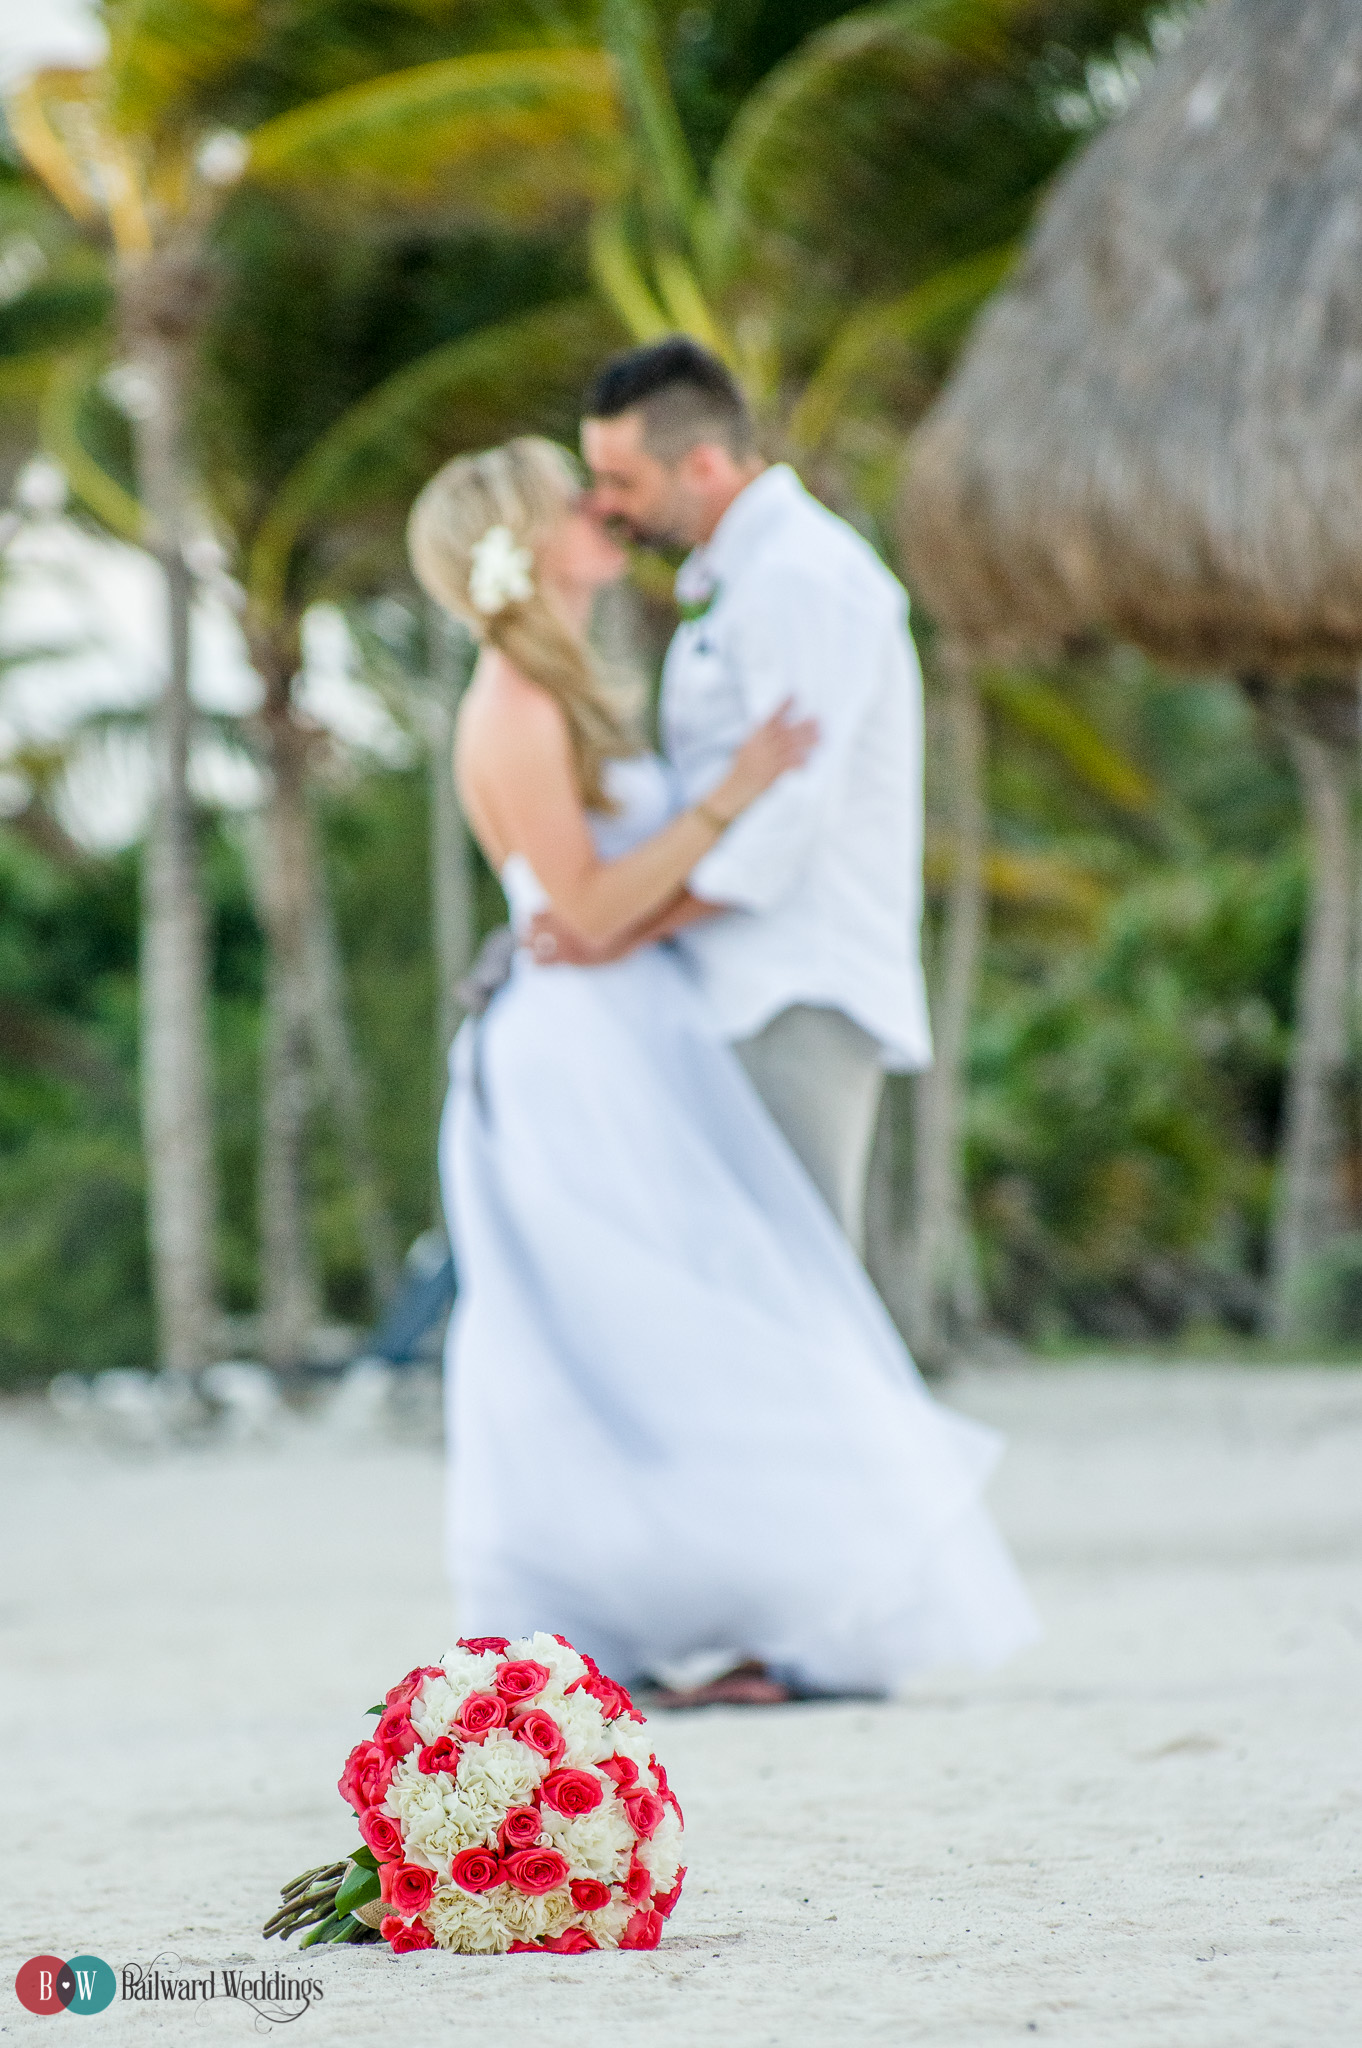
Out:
{"x": 46, "y": 1984}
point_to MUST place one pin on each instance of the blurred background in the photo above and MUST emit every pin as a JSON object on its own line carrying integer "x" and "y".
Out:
{"x": 262, "y": 268}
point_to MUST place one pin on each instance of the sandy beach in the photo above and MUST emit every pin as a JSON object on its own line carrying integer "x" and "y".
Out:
{"x": 1146, "y": 1831}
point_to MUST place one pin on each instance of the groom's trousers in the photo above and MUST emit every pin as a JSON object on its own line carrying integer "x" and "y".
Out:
{"x": 820, "y": 1076}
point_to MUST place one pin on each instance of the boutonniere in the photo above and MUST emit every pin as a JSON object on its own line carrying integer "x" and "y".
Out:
{"x": 696, "y": 589}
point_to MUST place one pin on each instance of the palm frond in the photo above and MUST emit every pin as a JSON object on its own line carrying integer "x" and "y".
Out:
{"x": 59, "y": 119}
{"x": 914, "y": 316}
{"x": 1041, "y": 711}
{"x": 522, "y": 375}
{"x": 67, "y": 391}
{"x": 669, "y": 175}
{"x": 617, "y": 272}
{"x": 514, "y": 136}
{"x": 162, "y": 52}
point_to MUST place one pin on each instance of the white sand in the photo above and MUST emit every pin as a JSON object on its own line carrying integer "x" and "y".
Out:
{"x": 1145, "y": 1832}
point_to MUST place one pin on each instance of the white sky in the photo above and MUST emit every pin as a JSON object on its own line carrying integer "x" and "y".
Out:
{"x": 35, "y": 32}
{"x": 96, "y": 607}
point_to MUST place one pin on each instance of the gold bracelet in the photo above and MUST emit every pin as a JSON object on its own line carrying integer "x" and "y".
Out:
{"x": 712, "y": 817}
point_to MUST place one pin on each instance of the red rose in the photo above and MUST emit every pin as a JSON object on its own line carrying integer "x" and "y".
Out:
{"x": 536, "y": 1727}
{"x": 589, "y": 1894}
{"x": 406, "y": 1887}
{"x": 572, "y": 1792}
{"x": 440, "y": 1755}
{"x": 519, "y": 1682}
{"x": 395, "y": 1732}
{"x": 407, "y": 1688}
{"x": 622, "y": 1769}
{"x": 537, "y": 1870}
{"x": 573, "y": 1941}
{"x": 521, "y": 1828}
{"x": 644, "y": 1809}
{"x": 364, "y": 1781}
{"x": 666, "y": 1791}
{"x": 477, "y": 1645}
{"x": 381, "y": 1835}
{"x": 612, "y": 1699}
{"x": 401, "y": 1939}
{"x": 638, "y": 1885}
{"x": 643, "y": 1931}
{"x": 477, "y": 1870}
{"x": 664, "y": 1901}
{"x": 479, "y": 1712}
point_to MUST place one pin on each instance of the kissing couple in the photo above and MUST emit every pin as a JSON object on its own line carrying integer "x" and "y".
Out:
{"x": 683, "y": 1431}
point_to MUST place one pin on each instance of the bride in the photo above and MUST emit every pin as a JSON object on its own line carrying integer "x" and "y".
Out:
{"x": 683, "y": 1431}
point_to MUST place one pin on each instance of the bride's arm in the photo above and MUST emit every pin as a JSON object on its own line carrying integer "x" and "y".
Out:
{"x": 525, "y": 766}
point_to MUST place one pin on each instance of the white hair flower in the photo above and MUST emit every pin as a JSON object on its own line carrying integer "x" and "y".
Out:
{"x": 500, "y": 574}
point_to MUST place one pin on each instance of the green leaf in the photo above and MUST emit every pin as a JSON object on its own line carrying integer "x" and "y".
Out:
{"x": 357, "y": 1888}
{"x": 849, "y": 364}
{"x": 163, "y": 52}
{"x": 325, "y": 1930}
{"x": 518, "y": 376}
{"x": 1039, "y": 709}
{"x": 379, "y": 1709}
{"x": 364, "y": 1857}
{"x": 516, "y": 137}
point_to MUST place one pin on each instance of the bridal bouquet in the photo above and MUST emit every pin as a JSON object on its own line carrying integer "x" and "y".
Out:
{"x": 508, "y": 1800}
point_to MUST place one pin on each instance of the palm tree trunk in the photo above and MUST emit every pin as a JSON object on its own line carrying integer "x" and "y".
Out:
{"x": 173, "y": 974}
{"x": 289, "y": 1296}
{"x": 944, "y": 1295}
{"x": 1310, "y": 1206}
{"x": 345, "y": 1089}
{"x": 453, "y": 915}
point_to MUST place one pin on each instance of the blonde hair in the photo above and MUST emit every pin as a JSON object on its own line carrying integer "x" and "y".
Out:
{"x": 526, "y": 486}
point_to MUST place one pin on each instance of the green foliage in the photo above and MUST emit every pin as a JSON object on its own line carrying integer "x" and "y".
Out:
{"x": 1127, "y": 1068}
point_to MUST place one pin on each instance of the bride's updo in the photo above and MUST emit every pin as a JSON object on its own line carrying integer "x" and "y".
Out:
{"x": 472, "y": 538}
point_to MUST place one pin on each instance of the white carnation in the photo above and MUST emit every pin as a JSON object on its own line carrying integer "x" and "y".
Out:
{"x": 564, "y": 1664}
{"x": 585, "y": 1729}
{"x": 435, "y": 1707}
{"x": 595, "y": 1844}
{"x": 661, "y": 1853}
{"x": 531, "y": 1916}
{"x": 610, "y": 1922}
{"x": 468, "y": 1921}
{"x": 500, "y": 1772}
{"x": 631, "y": 1739}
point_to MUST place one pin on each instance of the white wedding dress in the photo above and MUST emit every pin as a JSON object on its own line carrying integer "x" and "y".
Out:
{"x": 683, "y": 1430}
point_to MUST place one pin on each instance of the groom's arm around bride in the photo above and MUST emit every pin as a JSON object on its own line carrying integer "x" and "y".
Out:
{"x": 814, "y": 973}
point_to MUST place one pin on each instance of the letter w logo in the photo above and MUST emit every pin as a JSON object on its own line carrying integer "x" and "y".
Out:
{"x": 85, "y": 1985}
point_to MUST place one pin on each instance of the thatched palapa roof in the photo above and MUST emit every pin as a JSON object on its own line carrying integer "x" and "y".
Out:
{"x": 1156, "y": 430}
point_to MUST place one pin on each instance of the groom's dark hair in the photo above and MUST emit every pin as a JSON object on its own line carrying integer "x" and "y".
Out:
{"x": 685, "y": 394}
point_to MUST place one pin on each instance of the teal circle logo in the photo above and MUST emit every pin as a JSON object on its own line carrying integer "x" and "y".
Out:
{"x": 46, "y": 1984}
{"x": 92, "y": 1984}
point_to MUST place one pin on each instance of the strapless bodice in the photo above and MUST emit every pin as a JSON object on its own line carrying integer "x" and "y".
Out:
{"x": 645, "y": 792}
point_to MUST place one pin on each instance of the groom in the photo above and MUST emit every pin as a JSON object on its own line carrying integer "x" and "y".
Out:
{"x": 803, "y": 922}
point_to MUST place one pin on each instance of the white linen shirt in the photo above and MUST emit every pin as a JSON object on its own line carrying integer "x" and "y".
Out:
{"x": 823, "y": 872}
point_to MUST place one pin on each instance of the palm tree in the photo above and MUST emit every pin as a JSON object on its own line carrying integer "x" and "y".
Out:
{"x": 131, "y": 150}
{"x": 888, "y": 167}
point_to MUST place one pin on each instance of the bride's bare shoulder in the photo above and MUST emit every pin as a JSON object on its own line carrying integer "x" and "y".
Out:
{"x": 503, "y": 710}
